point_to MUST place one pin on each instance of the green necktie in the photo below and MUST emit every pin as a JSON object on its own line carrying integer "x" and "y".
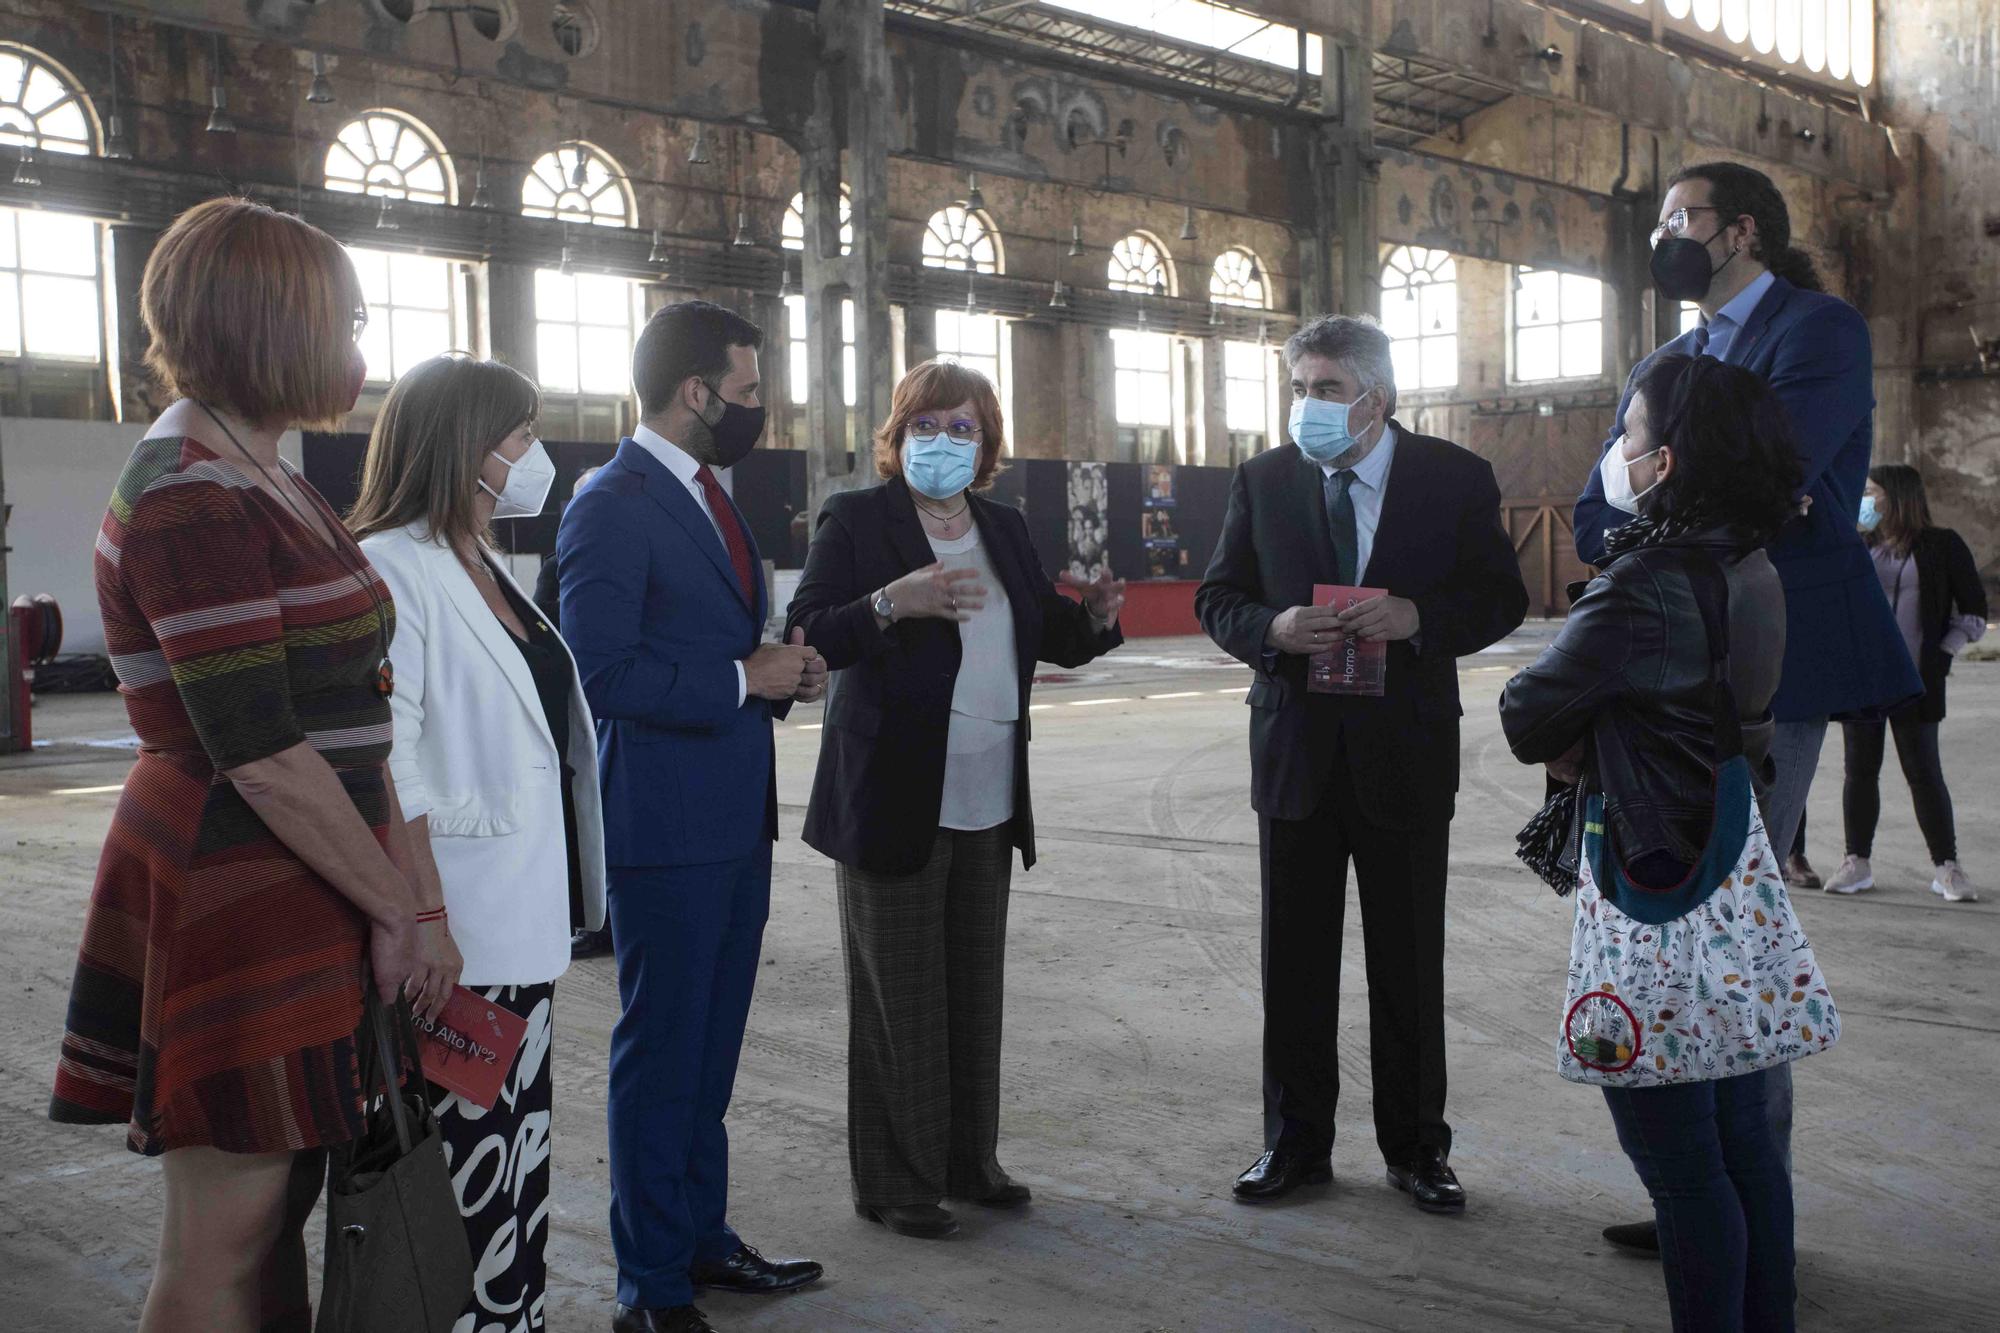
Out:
{"x": 1340, "y": 522}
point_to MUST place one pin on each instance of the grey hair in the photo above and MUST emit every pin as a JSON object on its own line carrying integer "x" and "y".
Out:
{"x": 1356, "y": 342}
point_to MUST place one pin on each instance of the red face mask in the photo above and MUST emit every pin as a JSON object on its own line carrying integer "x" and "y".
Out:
{"x": 357, "y": 375}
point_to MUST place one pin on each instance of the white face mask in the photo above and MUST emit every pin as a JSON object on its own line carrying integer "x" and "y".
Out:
{"x": 1615, "y": 471}
{"x": 529, "y": 478}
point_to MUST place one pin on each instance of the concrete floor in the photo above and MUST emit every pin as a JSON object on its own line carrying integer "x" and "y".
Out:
{"x": 1132, "y": 1057}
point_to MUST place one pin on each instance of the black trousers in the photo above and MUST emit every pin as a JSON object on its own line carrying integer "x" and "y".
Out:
{"x": 1861, "y": 793}
{"x": 1400, "y": 877}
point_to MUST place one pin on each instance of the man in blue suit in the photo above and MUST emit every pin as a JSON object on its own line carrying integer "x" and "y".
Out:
{"x": 1724, "y": 242}
{"x": 664, "y": 604}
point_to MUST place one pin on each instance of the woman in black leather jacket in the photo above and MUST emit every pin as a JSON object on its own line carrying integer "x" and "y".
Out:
{"x": 1622, "y": 701}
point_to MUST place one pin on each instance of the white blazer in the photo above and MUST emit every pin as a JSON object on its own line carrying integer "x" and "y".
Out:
{"x": 474, "y": 753}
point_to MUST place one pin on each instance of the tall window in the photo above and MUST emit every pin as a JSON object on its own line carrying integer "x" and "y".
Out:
{"x": 1237, "y": 279}
{"x": 585, "y": 323}
{"x": 1558, "y": 325}
{"x": 792, "y": 230}
{"x": 1139, "y": 264}
{"x": 1420, "y": 315}
{"x": 1142, "y": 384}
{"x": 1247, "y": 394}
{"x": 390, "y": 154}
{"x": 414, "y": 301}
{"x": 798, "y": 350}
{"x": 973, "y": 341}
{"x": 51, "y": 273}
{"x": 959, "y": 238}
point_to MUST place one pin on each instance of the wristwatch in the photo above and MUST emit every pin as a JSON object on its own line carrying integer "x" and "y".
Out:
{"x": 883, "y": 606}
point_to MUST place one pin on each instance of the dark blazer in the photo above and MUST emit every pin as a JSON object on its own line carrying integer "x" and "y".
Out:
{"x": 658, "y": 621}
{"x": 1842, "y": 652}
{"x": 1440, "y": 544}
{"x": 880, "y": 786}
{"x": 1947, "y": 586}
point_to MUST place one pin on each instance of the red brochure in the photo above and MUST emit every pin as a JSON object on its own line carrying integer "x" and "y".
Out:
{"x": 1350, "y": 666}
{"x": 471, "y": 1046}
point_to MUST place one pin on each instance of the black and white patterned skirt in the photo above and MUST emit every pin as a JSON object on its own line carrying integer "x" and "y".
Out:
{"x": 499, "y": 1164}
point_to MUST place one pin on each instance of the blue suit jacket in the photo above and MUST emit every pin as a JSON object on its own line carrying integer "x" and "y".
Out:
{"x": 1843, "y": 653}
{"x": 657, "y": 620}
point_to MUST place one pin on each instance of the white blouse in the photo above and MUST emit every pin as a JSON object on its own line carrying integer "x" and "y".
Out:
{"x": 985, "y": 701}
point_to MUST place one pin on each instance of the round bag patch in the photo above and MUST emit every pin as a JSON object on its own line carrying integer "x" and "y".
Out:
{"x": 1602, "y": 1032}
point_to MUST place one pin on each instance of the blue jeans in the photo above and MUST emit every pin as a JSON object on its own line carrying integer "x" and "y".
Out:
{"x": 1721, "y": 1196}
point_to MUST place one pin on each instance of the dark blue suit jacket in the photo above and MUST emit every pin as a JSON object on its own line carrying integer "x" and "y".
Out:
{"x": 1843, "y": 653}
{"x": 657, "y": 620}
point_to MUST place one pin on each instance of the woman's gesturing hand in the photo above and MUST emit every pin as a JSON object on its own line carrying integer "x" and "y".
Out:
{"x": 937, "y": 593}
{"x": 1104, "y": 595}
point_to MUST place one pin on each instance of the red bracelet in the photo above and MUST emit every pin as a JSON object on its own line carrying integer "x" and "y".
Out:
{"x": 434, "y": 914}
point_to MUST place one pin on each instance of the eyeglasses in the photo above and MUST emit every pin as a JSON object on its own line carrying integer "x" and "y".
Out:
{"x": 360, "y": 321}
{"x": 960, "y": 430}
{"x": 1677, "y": 221}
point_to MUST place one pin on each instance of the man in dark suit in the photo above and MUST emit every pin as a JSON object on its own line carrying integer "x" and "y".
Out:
{"x": 1358, "y": 501}
{"x": 664, "y": 605}
{"x": 1724, "y": 242}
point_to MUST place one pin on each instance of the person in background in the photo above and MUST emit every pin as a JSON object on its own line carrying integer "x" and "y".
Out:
{"x": 931, "y": 608}
{"x": 1724, "y": 241}
{"x": 1357, "y": 500}
{"x": 1625, "y": 697}
{"x": 584, "y": 942}
{"x": 257, "y": 864}
{"x": 496, "y": 761}
{"x": 1932, "y": 583}
{"x": 664, "y": 603}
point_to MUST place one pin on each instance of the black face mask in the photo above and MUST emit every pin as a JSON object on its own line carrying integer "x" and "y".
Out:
{"x": 732, "y": 434}
{"x": 1681, "y": 269}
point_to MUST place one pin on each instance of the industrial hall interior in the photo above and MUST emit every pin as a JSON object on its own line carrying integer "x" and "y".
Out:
{"x": 553, "y": 551}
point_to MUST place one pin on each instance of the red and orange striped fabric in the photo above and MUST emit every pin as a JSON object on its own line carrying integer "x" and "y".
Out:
{"x": 219, "y": 982}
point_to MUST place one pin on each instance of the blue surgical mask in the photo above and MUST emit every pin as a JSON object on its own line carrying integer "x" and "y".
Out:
{"x": 937, "y": 465}
{"x": 1320, "y": 428}
{"x": 1870, "y": 515}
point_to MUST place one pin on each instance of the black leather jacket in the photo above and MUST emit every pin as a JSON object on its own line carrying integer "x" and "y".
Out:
{"x": 1630, "y": 672}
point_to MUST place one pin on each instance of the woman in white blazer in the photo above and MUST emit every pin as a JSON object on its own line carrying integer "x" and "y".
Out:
{"x": 495, "y": 759}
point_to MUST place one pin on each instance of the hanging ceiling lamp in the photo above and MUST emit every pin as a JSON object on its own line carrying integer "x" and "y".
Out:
{"x": 24, "y": 170}
{"x": 385, "y": 217}
{"x": 1076, "y": 240}
{"x": 320, "y": 91}
{"x": 1187, "y": 224}
{"x": 117, "y": 146}
{"x": 579, "y": 174}
{"x": 658, "y": 254}
{"x": 480, "y": 197}
{"x": 786, "y": 289}
{"x": 219, "y": 119}
{"x": 1058, "y": 296}
{"x": 698, "y": 156}
{"x": 975, "y": 202}
{"x": 742, "y": 239}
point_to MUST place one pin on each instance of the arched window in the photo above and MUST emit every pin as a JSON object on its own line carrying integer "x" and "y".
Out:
{"x": 51, "y": 270}
{"x": 577, "y": 182}
{"x": 1139, "y": 264}
{"x": 1420, "y": 315}
{"x": 792, "y": 231}
{"x": 414, "y": 301}
{"x": 390, "y": 154}
{"x": 961, "y": 238}
{"x": 1237, "y": 279}
{"x": 585, "y": 323}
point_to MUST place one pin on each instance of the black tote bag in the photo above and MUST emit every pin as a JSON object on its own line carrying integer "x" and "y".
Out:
{"x": 397, "y": 1260}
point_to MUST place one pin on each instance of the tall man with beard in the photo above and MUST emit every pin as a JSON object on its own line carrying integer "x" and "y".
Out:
{"x": 663, "y": 603}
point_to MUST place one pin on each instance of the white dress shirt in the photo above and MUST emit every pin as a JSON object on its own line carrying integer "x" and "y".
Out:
{"x": 1729, "y": 320}
{"x": 684, "y": 466}
{"x": 1371, "y": 483}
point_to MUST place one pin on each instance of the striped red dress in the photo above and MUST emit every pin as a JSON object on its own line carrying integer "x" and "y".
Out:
{"x": 219, "y": 983}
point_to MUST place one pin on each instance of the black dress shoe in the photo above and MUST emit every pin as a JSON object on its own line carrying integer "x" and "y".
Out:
{"x": 590, "y": 943}
{"x": 924, "y": 1221}
{"x": 1279, "y": 1172}
{"x": 678, "y": 1319}
{"x": 1429, "y": 1181}
{"x": 1636, "y": 1237}
{"x": 749, "y": 1273}
{"x": 1013, "y": 1194}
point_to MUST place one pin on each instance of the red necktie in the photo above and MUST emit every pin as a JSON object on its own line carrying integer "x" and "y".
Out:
{"x": 732, "y": 531}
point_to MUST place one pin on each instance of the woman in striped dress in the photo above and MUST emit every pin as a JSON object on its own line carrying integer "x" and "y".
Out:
{"x": 258, "y": 849}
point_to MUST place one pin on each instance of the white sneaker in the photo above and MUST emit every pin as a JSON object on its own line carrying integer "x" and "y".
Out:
{"x": 1854, "y": 876}
{"x": 1952, "y": 885}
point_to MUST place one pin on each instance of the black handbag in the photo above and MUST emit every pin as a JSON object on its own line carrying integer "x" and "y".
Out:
{"x": 397, "y": 1260}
